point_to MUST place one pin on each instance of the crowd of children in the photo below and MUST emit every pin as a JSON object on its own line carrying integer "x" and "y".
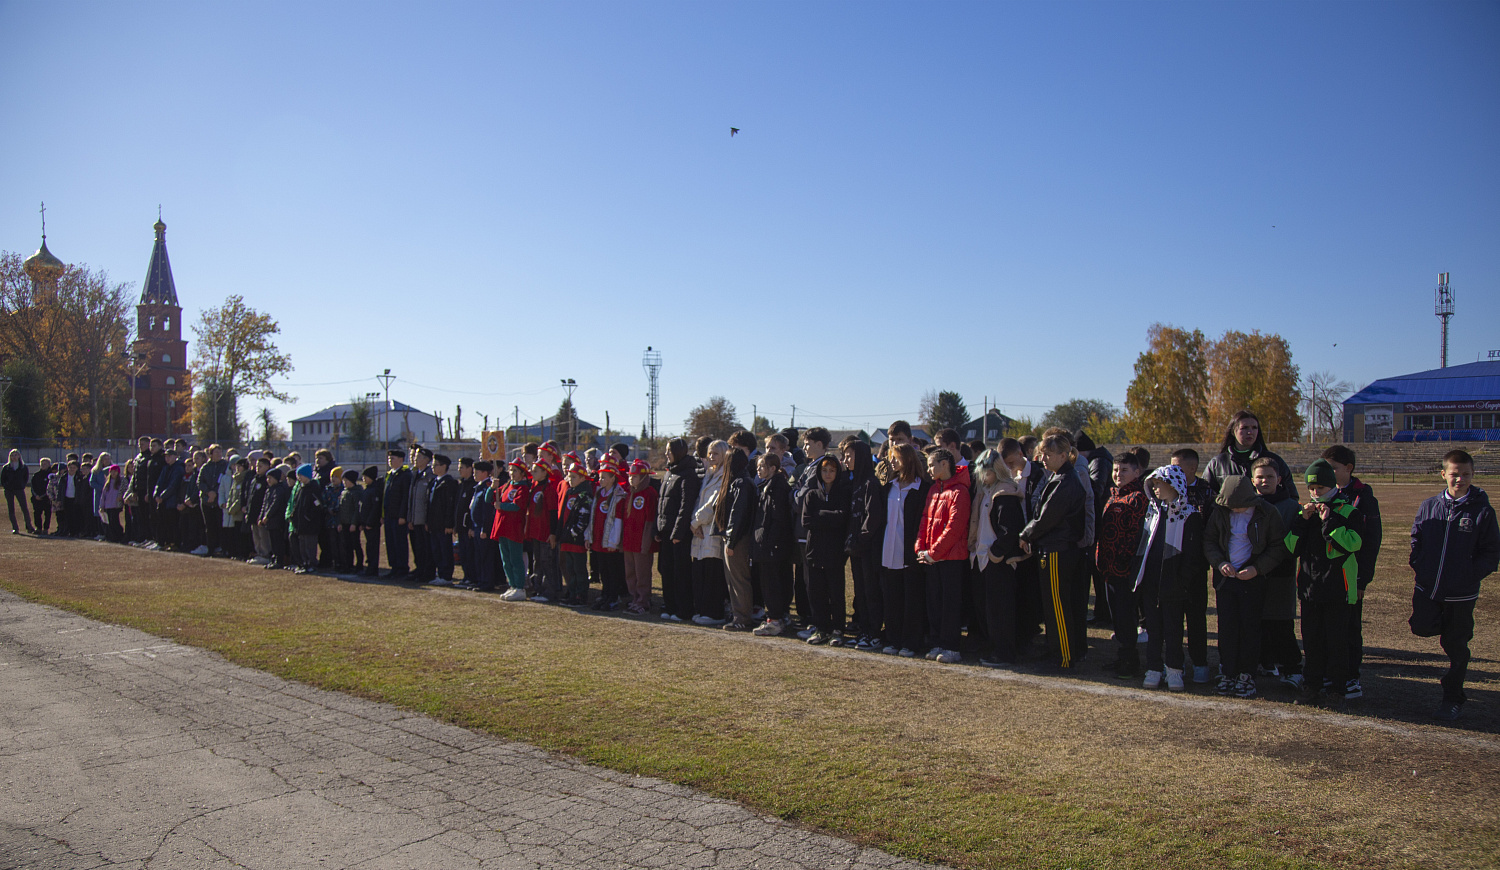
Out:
{"x": 950, "y": 545}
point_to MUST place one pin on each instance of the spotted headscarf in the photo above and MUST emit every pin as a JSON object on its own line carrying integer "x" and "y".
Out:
{"x": 1166, "y": 521}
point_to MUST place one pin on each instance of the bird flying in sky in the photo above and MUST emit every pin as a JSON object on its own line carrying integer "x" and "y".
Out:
{"x": 732, "y": 131}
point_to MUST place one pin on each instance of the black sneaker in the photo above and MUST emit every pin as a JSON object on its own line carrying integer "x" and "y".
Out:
{"x": 1353, "y": 690}
{"x": 1127, "y": 669}
{"x": 1447, "y": 712}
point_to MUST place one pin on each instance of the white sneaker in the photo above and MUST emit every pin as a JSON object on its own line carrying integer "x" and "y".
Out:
{"x": 700, "y": 619}
{"x": 513, "y": 595}
{"x": 758, "y": 613}
{"x": 1174, "y": 680}
{"x": 200, "y": 550}
{"x": 949, "y": 657}
{"x": 1153, "y": 680}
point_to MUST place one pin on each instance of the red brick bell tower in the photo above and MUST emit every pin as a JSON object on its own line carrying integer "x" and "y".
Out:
{"x": 160, "y": 351}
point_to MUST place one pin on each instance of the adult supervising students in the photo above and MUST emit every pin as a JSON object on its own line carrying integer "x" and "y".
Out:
{"x": 1455, "y": 543}
{"x": 14, "y": 478}
{"x": 1243, "y": 444}
{"x": 393, "y": 502}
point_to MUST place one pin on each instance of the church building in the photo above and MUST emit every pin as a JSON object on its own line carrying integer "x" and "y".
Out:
{"x": 161, "y": 398}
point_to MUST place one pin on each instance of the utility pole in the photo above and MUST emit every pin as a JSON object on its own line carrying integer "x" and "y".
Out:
{"x": 385, "y": 412}
{"x": 794, "y": 417}
{"x": 570, "y": 385}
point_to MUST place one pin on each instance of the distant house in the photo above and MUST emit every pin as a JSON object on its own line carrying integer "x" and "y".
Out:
{"x": 991, "y": 428}
{"x": 555, "y": 429}
{"x": 838, "y": 435}
{"x": 917, "y": 432}
{"x": 329, "y": 427}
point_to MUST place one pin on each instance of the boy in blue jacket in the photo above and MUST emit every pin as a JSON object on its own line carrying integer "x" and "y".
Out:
{"x": 1455, "y": 543}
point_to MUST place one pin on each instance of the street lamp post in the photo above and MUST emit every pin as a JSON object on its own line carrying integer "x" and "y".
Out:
{"x": 570, "y": 385}
{"x": 385, "y": 412}
{"x": 139, "y": 365}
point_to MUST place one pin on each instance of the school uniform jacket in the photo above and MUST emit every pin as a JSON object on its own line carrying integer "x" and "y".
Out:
{"x": 442, "y": 503}
{"x": 169, "y": 486}
{"x": 1454, "y": 545}
{"x": 741, "y": 520}
{"x": 773, "y": 521}
{"x": 421, "y": 484}
{"x": 466, "y": 487}
{"x": 1006, "y": 520}
{"x": 912, "y": 508}
{"x": 864, "y": 538}
{"x": 370, "y": 503}
{"x": 396, "y": 492}
{"x": 481, "y": 516}
{"x": 274, "y": 510}
{"x": 825, "y": 516}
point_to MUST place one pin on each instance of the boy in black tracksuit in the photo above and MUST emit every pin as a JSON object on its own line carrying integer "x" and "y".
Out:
{"x": 1362, "y": 497}
{"x": 1053, "y": 535}
{"x": 1455, "y": 543}
{"x": 370, "y": 504}
{"x": 273, "y": 518}
{"x": 348, "y": 557}
{"x": 442, "y": 507}
{"x": 1325, "y": 539}
{"x": 466, "y": 485}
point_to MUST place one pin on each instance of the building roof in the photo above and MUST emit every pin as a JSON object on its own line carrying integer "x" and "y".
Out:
{"x": 998, "y": 424}
{"x": 159, "y": 288}
{"x": 546, "y": 428}
{"x": 339, "y": 412}
{"x": 1475, "y": 380}
{"x": 879, "y": 436}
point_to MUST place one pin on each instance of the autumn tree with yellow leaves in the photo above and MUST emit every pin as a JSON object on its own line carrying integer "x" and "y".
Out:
{"x": 234, "y": 357}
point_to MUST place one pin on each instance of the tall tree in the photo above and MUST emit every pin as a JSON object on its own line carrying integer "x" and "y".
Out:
{"x": 716, "y": 418}
{"x": 1164, "y": 402}
{"x": 1326, "y": 393}
{"x": 941, "y": 410}
{"x": 25, "y": 409}
{"x": 235, "y": 357}
{"x": 760, "y": 426}
{"x": 271, "y": 434}
{"x": 1253, "y": 371}
{"x": 361, "y": 422}
{"x": 1075, "y": 414}
{"x": 76, "y": 331}
{"x": 213, "y": 412}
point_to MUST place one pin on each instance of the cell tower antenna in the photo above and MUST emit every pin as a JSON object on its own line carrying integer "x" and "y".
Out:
{"x": 651, "y": 362}
{"x": 1444, "y": 310}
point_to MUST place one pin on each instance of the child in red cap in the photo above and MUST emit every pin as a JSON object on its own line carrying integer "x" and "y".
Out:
{"x": 638, "y": 539}
{"x": 541, "y": 532}
{"x": 604, "y": 536}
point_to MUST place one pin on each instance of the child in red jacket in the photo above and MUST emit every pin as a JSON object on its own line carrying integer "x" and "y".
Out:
{"x": 511, "y": 503}
{"x": 943, "y": 546}
{"x": 544, "y": 583}
{"x": 638, "y": 538}
{"x": 605, "y": 532}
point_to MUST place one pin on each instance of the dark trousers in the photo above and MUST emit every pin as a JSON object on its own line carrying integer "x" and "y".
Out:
{"x": 1458, "y": 630}
{"x": 12, "y": 497}
{"x": 1196, "y": 609}
{"x": 1325, "y": 640}
{"x": 41, "y": 509}
{"x": 905, "y": 594}
{"x": 442, "y": 552}
{"x": 71, "y": 521}
{"x": 372, "y": 549}
{"x": 675, "y": 562}
{"x": 1163, "y": 619}
{"x": 308, "y": 547}
{"x": 421, "y": 552}
{"x": 799, "y": 582}
{"x": 1104, "y": 605}
{"x": 1028, "y": 605}
{"x": 776, "y": 586}
{"x": 113, "y": 532}
{"x": 825, "y": 593}
{"x": 1060, "y": 579}
{"x": 710, "y": 592}
{"x": 575, "y": 570}
{"x": 281, "y": 554}
{"x": 945, "y": 604}
{"x": 166, "y": 525}
{"x": 190, "y": 526}
{"x": 611, "y": 575}
{"x": 1240, "y": 604}
{"x": 997, "y": 595}
{"x": 870, "y": 612}
{"x": 1356, "y": 637}
{"x": 467, "y": 553}
{"x": 396, "y": 544}
{"x": 146, "y": 519}
{"x": 349, "y": 556}
{"x": 1124, "y": 609}
{"x": 486, "y": 560}
{"x": 328, "y": 545}
{"x": 213, "y": 526}
{"x": 1278, "y": 646}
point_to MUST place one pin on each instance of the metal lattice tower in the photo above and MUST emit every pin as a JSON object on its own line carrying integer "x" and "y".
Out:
{"x": 1444, "y": 310}
{"x": 651, "y": 362}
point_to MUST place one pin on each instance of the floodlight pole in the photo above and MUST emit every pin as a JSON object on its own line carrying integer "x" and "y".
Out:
{"x": 385, "y": 412}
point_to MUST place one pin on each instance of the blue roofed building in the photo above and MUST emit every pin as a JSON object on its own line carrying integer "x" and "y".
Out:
{"x": 1457, "y": 403}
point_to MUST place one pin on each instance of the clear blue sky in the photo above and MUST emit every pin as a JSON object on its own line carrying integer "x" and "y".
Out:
{"x": 992, "y": 198}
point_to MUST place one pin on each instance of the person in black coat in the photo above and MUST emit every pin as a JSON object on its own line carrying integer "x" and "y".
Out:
{"x": 996, "y": 550}
{"x": 273, "y": 518}
{"x": 14, "y": 477}
{"x": 1101, "y": 465}
{"x": 862, "y": 544}
{"x": 371, "y": 503}
{"x": 41, "y": 506}
{"x": 772, "y": 549}
{"x": 674, "y": 531}
{"x": 442, "y": 501}
{"x": 734, "y": 517}
{"x": 466, "y": 486}
{"x": 255, "y": 502}
{"x": 396, "y": 492}
{"x": 1243, "y": 444}
{"x": 1053, "y": 535}
{"x": 825, "y": 515}
{"x": 167, "y": 496}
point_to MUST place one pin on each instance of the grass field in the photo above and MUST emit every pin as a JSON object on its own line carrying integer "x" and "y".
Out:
{"x": 952, "y": 764}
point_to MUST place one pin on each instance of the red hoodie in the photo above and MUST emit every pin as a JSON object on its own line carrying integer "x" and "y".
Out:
{"x": 511, "y": 524}
{"x": 945, "y": 520}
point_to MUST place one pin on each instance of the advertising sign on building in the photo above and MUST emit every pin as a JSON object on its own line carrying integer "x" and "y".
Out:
{"x": 1378, "y": 422}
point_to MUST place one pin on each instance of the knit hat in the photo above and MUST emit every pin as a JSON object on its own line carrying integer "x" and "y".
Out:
{"x": 275, "y": 472}
{"x": 1321, "y": 474}
{"x": 305, "y": 470}
{"x": 372, "y": 472}
{"x": 336, "y": 473}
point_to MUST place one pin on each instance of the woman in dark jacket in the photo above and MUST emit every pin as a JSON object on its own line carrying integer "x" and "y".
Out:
{"x": 733, "y": 517}
{"x": 773, "y": 544}
{"x": 825, "y": 516}
{"x": 674, "y": 530}
{"x": 863, "y": 544}
{"x": 995, "y": 548}
{"x": 1243, "y": 444}
{"x": 903, "y": 582}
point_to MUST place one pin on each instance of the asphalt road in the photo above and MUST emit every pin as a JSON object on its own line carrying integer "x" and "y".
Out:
{"x": 119, "y": 749}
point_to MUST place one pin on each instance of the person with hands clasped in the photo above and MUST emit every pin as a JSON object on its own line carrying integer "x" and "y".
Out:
{"x": 942, "y": 547}
{"x": 1242, "y": 543}
{"x": 1325, "y": 539}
